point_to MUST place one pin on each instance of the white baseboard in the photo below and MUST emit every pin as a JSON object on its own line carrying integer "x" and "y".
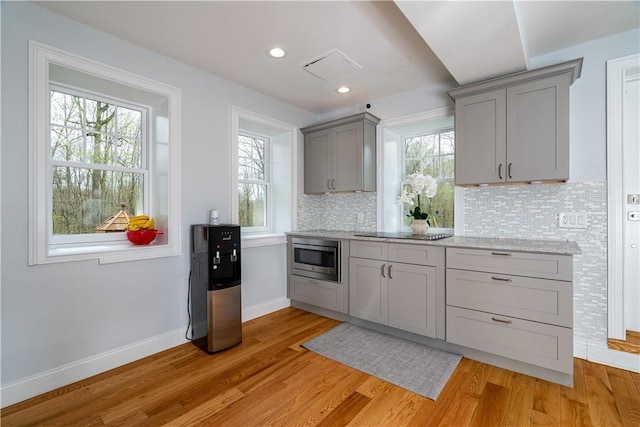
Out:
{"x": 255, "y": 311}
{"x": 606, "y": 356}
{"x": 50, "y": 380}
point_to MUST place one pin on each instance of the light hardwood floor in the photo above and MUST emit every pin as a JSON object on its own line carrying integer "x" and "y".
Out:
{"x": 269, "y": 380}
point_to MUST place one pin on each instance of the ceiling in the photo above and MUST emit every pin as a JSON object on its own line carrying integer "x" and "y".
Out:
{"x": 378, "y": 48}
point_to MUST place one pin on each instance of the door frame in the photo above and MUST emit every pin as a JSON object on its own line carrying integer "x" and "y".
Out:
{"x": 617, "y": 71}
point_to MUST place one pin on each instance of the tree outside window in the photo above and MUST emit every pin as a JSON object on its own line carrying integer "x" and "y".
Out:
{"x": 97, "y": 149}
{"x": 253, "y": 181}
{"x": 433, "y": 154}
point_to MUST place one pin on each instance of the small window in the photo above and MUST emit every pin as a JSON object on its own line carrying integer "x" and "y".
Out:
{"x": 100, "y": 137}
{"x": 254, "y": 182}
{"x": 433, "y": 154}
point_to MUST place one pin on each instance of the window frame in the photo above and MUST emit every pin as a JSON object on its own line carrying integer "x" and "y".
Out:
{"x": 266, "y": 182}
{"x": 388, "y": 182}
{"x": 113, "y": 247}
{"x": 144, "y": 169}
{"x": 439, "y": 180}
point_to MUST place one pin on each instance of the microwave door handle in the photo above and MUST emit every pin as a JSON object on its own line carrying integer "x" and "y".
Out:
{"x": 315, "y": 248}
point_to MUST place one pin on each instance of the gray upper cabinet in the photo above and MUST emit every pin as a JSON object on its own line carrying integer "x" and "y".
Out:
{"x": 340, "y": 155}
{"x": 515, "y": 128}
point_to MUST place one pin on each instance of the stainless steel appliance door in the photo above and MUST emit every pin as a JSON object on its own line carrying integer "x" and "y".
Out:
{"x": 320, "y": 262}
{"x": 224, "y": 318}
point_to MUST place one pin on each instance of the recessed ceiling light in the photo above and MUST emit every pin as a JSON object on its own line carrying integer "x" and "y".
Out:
{"x": 343, "y": 89}
{"x": 276, "y": 52}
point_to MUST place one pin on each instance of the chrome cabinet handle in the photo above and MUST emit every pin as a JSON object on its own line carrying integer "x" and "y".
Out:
{"x": 509, "y": 170}
{"x": 500, "y": 171}
{"x": 333, "y": 184}
{"x": 390, "y": 271}
{"x": 328, "y": 184}
{"x": 508, "y": 322}
{"x": 501, "y": 254}
{"x": 382, "y": 270}
{"x": 502, "y": 279}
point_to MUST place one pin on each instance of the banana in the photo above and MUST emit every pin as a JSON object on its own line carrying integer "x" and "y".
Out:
{"x": 138, "y": 221}
{"x": 149, "y": 225}
{"x": 139, "y": 217}
{"x": 134, "y": 227}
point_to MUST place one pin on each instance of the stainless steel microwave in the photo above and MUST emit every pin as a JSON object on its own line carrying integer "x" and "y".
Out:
{"x": 316, "y": 258}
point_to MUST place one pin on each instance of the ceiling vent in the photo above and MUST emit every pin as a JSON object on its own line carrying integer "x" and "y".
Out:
{"x": 331, "y": 65}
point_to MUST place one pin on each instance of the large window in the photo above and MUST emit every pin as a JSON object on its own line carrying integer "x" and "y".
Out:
{"x": 254, "y": 182}
{"x": 100, "y": 137}
{"x": 433, "y": 154}
{"x": 97, "y": 160}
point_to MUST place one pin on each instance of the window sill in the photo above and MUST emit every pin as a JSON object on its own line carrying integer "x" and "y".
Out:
{"x": 257, "y": 240}
{"x": 107, "y": 253}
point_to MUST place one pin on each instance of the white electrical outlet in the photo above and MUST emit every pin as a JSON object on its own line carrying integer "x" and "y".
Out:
{"x": 572, "y": 220}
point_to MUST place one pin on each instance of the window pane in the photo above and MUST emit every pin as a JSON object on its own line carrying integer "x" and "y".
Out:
{"x": 100, "y": 116}
{"x": 84, "y": 198}
{"x": 448, "y": 166}
{"x": 129, "y": 122}
{"x": 447, "y": 144}
{"x": 441, "y": 206}
{"x": 129, "y": 152}
{"x": 67, "y": 144}
{"x": 66, "y": 109}
{"x": 431, "y": 167}
{"x": 251, "y": 158}
{"x": 99, "y": 149}
{"x": 252, "y": 205}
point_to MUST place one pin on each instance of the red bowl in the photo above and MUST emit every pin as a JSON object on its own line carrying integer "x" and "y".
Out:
{"x": 142, "y": 237}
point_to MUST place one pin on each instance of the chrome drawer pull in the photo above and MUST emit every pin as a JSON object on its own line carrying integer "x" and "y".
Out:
{"x": 508, "y": 322}
{"x": 390, "y": 271}
{"x": 501, "y": 253}
{"x": 382, "y": 270}
{"x": 501, "y": 279}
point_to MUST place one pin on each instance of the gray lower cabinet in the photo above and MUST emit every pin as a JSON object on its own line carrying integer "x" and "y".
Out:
{"x": 340, "y": 155}
{"x": 514, "y": 304}
{"x": 323, "y": 294}
{"x": 394, "y": 285}
{"x": 514, "y": 128}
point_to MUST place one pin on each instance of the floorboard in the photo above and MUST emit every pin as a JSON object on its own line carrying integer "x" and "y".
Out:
{"x": 269, "y": 379}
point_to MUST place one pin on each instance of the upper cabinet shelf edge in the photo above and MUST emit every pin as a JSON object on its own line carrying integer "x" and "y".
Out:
{"x": 573, "y": 67}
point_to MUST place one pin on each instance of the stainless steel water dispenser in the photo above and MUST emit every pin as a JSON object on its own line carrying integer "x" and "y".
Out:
{"x": 216, "y": 305}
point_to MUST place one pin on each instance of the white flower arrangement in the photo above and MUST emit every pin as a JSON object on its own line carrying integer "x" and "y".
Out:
{"x": 418, "y": 185}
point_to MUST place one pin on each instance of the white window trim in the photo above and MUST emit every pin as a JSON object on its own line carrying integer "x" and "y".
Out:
{"x": 261, "y": 239}
{"x": 402, "y": 120}
{"x": 40, "y": 247}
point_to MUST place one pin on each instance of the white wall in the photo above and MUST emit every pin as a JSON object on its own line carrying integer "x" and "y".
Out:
{"x": 588, "y": 101}
{"x": 64, "y": 317}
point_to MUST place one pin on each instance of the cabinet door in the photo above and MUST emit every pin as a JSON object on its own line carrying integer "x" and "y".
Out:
{"x": 368, "y": 290}
{"x": 481, "y": 138}
{"x": 538, "y": 130}
{"x": 346, "y": 157}
{"x": 412, "y": 298}
{"x": 317, "y": 162}
{"x": 320, "y": 293}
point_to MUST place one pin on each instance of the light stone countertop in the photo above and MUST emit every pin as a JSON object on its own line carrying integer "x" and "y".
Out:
{"x": 557, "y": 247}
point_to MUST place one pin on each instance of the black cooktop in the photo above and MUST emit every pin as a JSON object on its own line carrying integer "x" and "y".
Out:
{"x": 402, "y": 235}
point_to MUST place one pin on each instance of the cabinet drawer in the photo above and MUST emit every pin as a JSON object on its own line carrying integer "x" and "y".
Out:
{"x": 557, "y": 267}
{"x": 367, "y": 249}
{"x": 323, "y": 294}
{"x": 548, "y": 301}
{"x": 531, "y": 342}
{"x": 413, "y": 254}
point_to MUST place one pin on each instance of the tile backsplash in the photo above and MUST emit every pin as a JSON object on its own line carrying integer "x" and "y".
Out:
{"x": 519, "y": 211}
{"x": 337, "y": 211}
{"x": 531, "y": 212}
